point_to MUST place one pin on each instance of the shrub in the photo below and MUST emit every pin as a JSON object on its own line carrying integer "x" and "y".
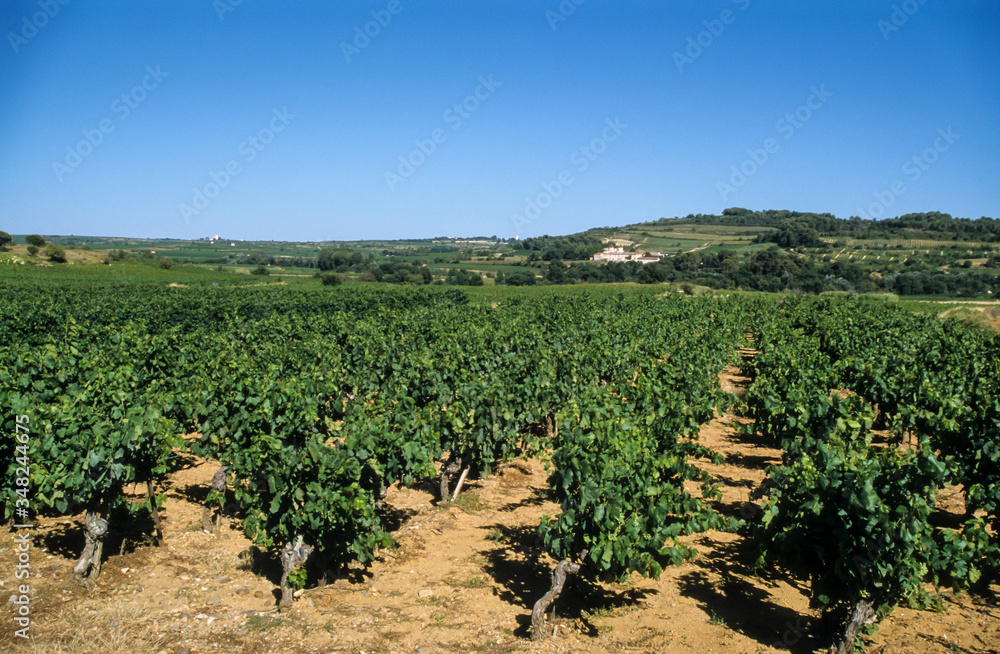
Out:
{"x": 260, "y": 270}
{"x": 330, "y": 279}
{"x": 521, "y": 279}
{"x": 116, "y": 255}
{"x": 32, "y": 250}
{"x": 34, "y": 239}
{"x": 55, "y": 253}
{"x": 165, "y": 263}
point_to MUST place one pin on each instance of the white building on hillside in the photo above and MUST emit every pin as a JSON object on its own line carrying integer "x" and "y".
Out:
{"x": 620, "y": 255}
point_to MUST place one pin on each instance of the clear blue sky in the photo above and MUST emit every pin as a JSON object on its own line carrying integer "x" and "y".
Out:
{"x": 121, "y": 118}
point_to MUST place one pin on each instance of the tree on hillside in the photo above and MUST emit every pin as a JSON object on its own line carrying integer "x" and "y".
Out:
{"x": 796, "y": 233}
{"x": 55, "y": 253}
{"x": 335, "y": 259}
{"x": 521, "y": 279}
{"x": 556, "y": 272}
{"x": 34, "y": 239}
{"x": 5, "y": 240}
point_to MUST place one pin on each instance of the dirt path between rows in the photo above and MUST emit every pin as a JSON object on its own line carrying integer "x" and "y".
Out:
{"x": 463, "y": 579}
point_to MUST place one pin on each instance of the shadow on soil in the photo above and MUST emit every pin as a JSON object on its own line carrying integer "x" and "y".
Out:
{"x": 393, "y": 519}
{"x": 262, "y": 563}
{"x": 523, "y": 576}
{"x": 536, "y": 498}
{"x": 720, "y": 588}
{"x": 126, "y": 533}
{"x": 752, "y": 461}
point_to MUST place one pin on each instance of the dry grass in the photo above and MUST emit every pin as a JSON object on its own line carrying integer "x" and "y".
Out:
{"x": 72, "y": 256}
{"x": 87, "y": 629}
{"x": 987, "y": 318}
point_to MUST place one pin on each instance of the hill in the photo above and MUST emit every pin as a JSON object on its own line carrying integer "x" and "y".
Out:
{"x": 916, "y": 254}
{"x": 921, "y": 254}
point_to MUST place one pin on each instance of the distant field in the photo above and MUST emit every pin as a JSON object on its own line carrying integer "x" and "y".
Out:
{"x": 126, "y": 272}
{"x": 198, "y": 251}
{"x": 749, "y": 247}
{"x": 721, "y": 230}
{"x": 669, "y": 239}
{"x": 480, "y": 266}
{"x": 925, "y": 243}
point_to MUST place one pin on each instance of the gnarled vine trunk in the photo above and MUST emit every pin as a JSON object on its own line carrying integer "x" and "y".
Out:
{"x": 862, "y": 614}
{"x": 293, "y": 557}
{"x": 155, "y": 512}
{"x": 559, "y": 577}
{"x": 551, "y": 431}
{"x": 452, "y": 466}
{"x": 208, "y": 522}
{"x": 95, "y": 529}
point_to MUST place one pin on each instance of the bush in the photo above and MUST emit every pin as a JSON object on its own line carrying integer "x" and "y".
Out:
{"x": 5, "y": 240}
{"x": 116, "y": 255}
{"x": 260, "y": 270}
{"x": 55, "y": 253}
{"x": 34, "y": 239}
{"x": 32, "y": 250}
{"x": 521, "y": 279}
{"x": 165, "y": 263}
{"x": 330, "y": 279}
{"x": 339, "y": 258}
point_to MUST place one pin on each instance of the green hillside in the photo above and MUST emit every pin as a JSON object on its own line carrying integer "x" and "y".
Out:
{"x": 925, "y": 255}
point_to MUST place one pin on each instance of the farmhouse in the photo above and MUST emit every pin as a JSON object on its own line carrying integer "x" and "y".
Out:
{"x": 618, "y": 254}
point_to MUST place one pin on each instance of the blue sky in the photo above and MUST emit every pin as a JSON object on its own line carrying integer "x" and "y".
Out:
{"x": 422, "y": 118}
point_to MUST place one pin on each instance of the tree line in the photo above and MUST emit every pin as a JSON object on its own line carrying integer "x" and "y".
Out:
{"x": 775, "y": 270}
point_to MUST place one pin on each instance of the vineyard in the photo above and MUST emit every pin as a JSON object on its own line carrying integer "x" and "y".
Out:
{"x": 317, "y": 409}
